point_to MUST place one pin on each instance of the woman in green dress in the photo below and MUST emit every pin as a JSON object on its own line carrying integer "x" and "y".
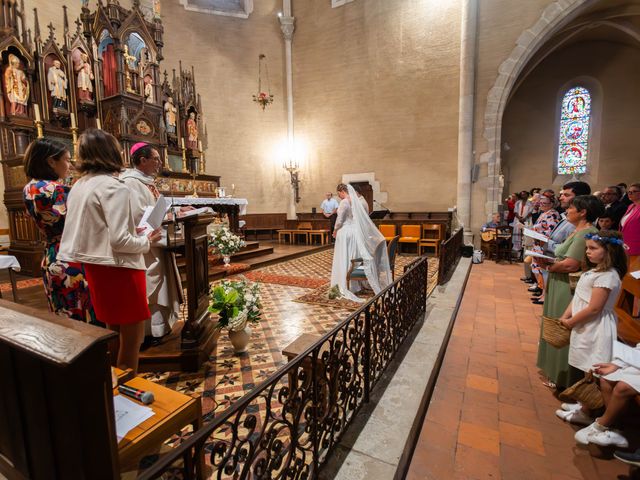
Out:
{"x": 554, "y": 362}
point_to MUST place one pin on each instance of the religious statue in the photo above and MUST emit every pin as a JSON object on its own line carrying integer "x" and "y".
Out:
{"x": 148, "y": 89}
{"x": 170, "y": 115}
{"x": 16, "y": 86}
{"x": 192, "y": 131}
{"x": 57, "y": 85}
{"x": 156, "y": 9}
{"x": 85, "y": 77}
{"x": 130, "y": 62}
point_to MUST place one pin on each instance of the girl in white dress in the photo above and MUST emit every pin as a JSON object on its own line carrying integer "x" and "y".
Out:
{"x": 357, "y": 237}
{"x": 620, "y": 385}
{"x": 590, "y": 315}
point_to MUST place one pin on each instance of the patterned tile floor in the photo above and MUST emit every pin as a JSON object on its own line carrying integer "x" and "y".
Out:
{"x": 227, "y": 376}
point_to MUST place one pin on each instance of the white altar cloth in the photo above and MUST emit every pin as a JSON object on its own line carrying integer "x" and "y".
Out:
{"x": 204, "y": 201}
{"x": 9, "y": 261}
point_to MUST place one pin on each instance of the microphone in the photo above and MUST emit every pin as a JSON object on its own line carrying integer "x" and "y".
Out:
{"x": 140, "y": 395}
{"x": 167, "y": 174}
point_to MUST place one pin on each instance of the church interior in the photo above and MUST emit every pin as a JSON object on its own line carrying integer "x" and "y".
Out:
{"x": 360, "y": 239}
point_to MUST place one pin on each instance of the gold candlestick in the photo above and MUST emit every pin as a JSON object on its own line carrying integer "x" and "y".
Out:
{"x": 38, "y": 120}
{"x": 74, "y": 135}
{"x": 184, "y": 158}
{"x": 166, "y": 159}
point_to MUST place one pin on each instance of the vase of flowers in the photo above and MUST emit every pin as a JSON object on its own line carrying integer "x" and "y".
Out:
{"x": 226, "y": 243}
{"x": 237, "y": 304}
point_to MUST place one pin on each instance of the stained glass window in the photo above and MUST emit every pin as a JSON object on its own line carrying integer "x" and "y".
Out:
{"x": 573, "y": 148}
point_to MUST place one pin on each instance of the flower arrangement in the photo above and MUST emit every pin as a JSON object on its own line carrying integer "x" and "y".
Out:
{"x": 263, "y": 99}
{"x": 236, "y": 303}
{"x": 225, "y": 241}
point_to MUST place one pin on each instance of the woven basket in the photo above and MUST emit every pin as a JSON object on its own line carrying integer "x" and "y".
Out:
{"x": 584, "y": 391}
{"x": 573, "y": 281}
{"x": 554, "y": 333}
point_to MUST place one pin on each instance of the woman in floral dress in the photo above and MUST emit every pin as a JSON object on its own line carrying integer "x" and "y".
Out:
{"x": 45, "y": 198}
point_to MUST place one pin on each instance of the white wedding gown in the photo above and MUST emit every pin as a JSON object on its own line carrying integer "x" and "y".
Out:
{"x": 358, "y": 237}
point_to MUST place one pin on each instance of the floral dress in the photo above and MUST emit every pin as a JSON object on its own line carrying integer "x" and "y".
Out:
{"x": 547, "y": 221}
{"x": 64, "y": 283}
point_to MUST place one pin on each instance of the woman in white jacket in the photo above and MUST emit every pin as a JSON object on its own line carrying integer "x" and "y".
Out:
{"x": 100, "y": 233}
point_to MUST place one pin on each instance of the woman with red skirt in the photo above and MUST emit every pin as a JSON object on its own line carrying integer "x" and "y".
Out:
{"x": 100, "y": 234}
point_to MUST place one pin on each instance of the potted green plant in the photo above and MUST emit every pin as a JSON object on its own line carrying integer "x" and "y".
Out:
{"x": 237, "y": 304}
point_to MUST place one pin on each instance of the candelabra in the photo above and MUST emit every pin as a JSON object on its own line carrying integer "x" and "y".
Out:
{"x": 291, "y": 166}
{"x": 184, "y": 158}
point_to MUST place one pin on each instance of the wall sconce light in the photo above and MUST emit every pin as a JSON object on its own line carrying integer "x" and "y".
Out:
{"x": 292, "y": 167}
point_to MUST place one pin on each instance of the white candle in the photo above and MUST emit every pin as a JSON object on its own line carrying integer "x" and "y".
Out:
{"x": 200, "y": 145}
{"x": 233, "y": 186}
{"x": 36, "y": 111}
{"x": 73, "y": 121}
{"x": 98, "y": 123}
{"x": 182, "y": 141}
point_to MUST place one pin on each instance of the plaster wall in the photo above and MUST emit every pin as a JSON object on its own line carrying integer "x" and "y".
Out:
{"x": 531, "y": 118}
{"x": 376, "y": 90}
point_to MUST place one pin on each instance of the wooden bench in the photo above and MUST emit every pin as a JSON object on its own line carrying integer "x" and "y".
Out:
{"x": 258, "y": 223}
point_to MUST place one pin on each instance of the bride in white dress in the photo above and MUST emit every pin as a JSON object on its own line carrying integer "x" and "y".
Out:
{"x": 358, "y": 237}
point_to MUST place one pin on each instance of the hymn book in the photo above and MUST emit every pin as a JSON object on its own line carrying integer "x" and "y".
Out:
{"x": 153, "y": 216}
{"x": 535, "y": 235}
{"x": 531, "y": 253}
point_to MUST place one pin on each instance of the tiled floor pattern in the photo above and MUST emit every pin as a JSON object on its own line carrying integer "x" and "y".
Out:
{"x": 490, "y": 416}
{"x": 227, "y": 376}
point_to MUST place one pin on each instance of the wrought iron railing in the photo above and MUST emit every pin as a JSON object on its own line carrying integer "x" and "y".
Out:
{"x": 289, "y": 424}
{"x": 450, "y": 253}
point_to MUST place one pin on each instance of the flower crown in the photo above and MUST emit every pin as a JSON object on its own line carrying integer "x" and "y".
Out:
{"x": 597, "y": 238}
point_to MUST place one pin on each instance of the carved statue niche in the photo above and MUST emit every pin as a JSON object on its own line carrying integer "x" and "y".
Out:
{"x": 57, "y": 84}
{"x": 192, "y": 130}
{"x": 84, "y": 75}
{"x": 107, "y": 54}
{"x": 15, "y": 84}
{"x": 170, "y": 117}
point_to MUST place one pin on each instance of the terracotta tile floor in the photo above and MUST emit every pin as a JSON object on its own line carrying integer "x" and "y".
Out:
{"x": 490, "y": 416}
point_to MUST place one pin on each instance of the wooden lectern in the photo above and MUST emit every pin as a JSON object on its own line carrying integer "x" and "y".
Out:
{"x": 56, "y": 406}
{"x": 191, "y": 341}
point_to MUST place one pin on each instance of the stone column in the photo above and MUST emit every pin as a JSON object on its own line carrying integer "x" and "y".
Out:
{"x": 468, "y": 39}
{"x": 287, "y": 26}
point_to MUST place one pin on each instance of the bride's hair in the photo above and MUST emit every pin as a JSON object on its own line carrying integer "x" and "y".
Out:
{"x": 342, "y": 188}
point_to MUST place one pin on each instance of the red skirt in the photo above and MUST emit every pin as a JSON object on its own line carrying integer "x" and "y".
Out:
{"x": 118, "y": 295}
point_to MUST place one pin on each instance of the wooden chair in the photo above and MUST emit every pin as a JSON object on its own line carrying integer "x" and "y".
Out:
{"x": 389, "y": 231}
{"x": 431, "y": 238}
{"x": 410, "y": 234}
{"x": 356, "y": 272}
{"x": 302, "y": 231}
{"x": 628, "y": 324}
{"x": 500, "y": 248}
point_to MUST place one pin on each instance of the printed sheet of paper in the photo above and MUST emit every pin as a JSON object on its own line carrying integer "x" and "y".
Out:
{"x": 153, "y": 216}
{"x": 635, "y": 274}
{"x": 531, "y": 253}
{"x": 129, "y": 415}
{"x": 535, "y": 235}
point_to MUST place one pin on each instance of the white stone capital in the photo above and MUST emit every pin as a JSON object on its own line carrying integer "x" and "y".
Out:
{"x": 287, "y": 25}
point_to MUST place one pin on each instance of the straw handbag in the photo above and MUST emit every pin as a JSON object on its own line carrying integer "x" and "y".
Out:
{"x": 584, "y": 391}
{"x": 573, "y": 280}
{"x": 554, "y": 333}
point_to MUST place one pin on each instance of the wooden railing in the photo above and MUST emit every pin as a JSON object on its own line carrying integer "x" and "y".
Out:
{"x": 289, "y": 424}
{"x": 450, "y": 253}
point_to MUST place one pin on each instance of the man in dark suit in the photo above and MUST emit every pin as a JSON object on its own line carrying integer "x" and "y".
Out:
{"x": 613, "y": 206}
{"x": 625, "y": 198}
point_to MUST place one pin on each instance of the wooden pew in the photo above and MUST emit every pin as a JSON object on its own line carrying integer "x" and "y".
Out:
{"x": 56, "y": 408}
{"x": 258, "y": 223}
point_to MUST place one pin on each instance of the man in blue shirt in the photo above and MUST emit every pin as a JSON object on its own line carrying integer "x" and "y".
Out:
{"x": 329, "y": 208}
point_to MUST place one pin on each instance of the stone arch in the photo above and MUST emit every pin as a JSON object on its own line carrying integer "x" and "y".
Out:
{"x": 553, "y": 17}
